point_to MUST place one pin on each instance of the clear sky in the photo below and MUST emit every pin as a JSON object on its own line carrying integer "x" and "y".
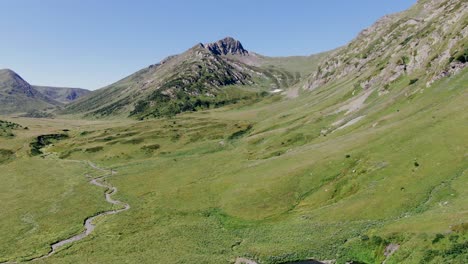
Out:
{"x": 92, "y": 43}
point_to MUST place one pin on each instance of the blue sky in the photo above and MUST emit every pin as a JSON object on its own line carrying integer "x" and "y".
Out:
{"x": 90, "y": 44}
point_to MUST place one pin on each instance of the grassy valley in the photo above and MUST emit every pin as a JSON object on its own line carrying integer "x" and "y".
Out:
{"x": 357, "y": 155}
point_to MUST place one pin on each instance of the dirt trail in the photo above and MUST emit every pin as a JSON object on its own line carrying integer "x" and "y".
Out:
{"x": 88, "y": 224}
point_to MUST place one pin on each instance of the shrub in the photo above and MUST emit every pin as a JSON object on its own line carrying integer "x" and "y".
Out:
{"x": 134, "y": 141}
{"x": 44, "y": 140}
{"x": 240, "y": 133}
{"x": 94, "y": 149}
{"x": 463, "y": 58}
{"x": 437, "y": 238}
{"x": 376, "y": 240}
{"x": 150, "y": 148}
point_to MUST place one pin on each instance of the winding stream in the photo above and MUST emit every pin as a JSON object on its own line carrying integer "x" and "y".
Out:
{"x": 88, "y": 224}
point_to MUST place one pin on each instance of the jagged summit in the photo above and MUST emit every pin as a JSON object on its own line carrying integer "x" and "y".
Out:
{"x": 227, "y": 46}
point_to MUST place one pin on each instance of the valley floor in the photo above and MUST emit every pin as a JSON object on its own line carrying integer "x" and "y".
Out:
{"x": 273, "y": 181}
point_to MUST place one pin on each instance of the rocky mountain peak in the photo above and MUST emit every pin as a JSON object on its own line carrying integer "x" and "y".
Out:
{"x": 227, "y": 46}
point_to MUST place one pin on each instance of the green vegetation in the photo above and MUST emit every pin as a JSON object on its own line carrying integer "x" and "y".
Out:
{"x": 6, "y": 128}
{"x": 6, "y": 155}
{"x": 43, "y": 141}
{"x": 260, "y": 181}
{"x": 369, "y": 166}
{"x": 161, "y": 105}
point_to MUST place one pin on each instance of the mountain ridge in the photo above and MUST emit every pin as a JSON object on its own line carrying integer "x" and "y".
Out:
{"x": 205, "y": 75}
{"x": 18, "y": 96}
{"x": 63, "y": 95}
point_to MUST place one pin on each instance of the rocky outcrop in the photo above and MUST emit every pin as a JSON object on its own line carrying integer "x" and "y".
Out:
{"x": 227, "y": 46}
{"x": 425, "y": 41}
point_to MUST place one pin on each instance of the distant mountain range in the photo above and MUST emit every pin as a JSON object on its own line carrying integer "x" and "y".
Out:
{"x": 18, "y": 96}
{"x": 63, "y": 95}
{"x": 207, "y": 75}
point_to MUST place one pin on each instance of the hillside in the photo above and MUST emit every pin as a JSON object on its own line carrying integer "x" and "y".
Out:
{"x": 18, "y": 96}
{"x": 63, "y": 95}
{"x": 207, "y": 75}
{"x": 427, "y": 42}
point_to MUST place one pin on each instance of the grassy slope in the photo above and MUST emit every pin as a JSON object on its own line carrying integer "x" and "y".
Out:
{"x": 215, "y": 189}
{"x": 304, "y": 65}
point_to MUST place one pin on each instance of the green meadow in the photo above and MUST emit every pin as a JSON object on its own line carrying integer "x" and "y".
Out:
{"x": 273, "y": 180}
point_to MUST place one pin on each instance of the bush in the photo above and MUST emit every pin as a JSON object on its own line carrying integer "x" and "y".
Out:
{"x": 150, "y": 148}
{"x": 240, "y": 133}
{"x": 463, "y": 58}
{"x": 437, "y": 238}
{"x": 376, "y": 240}
{"x": 44, "y": 140}
{"x": 94, "y": 149}
{"x": 134, "y": 141}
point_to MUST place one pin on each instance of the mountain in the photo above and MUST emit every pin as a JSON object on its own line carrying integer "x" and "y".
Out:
{"x": 18, "y": 96}
{"x": 207, "y": 75}
{"x": 63, "y": 95}
{"x": 426, "y": 42}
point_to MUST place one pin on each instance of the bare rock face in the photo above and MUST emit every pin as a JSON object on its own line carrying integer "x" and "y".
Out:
{"x": 227, "y": 46}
